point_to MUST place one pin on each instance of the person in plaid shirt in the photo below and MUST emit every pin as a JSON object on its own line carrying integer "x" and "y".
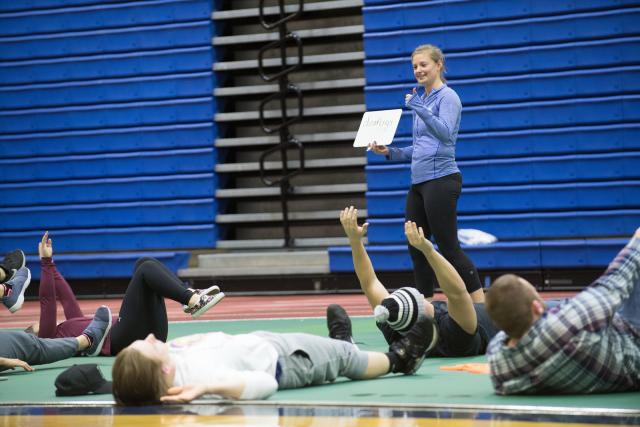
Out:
{"x": 589, "y": 344}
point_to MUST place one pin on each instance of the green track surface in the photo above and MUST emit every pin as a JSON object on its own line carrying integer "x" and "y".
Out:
{"x": 430, "y": 386}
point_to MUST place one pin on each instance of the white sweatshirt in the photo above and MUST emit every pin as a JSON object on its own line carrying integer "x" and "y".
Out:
{"x": 211, "y": 358}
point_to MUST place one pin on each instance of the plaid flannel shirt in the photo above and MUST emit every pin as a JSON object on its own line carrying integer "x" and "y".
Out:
{"x": 581, "y": 346}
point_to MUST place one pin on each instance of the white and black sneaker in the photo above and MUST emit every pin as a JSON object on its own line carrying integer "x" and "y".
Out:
{"x": 207, "y": 299}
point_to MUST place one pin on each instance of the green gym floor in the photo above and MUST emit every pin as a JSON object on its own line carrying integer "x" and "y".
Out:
{"x": 433, "y": 397}
{"x": 430, "y": 387}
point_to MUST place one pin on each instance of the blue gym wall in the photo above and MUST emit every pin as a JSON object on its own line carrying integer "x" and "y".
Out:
{"x": 549, "y": 142}
{"x": 106, "y": 131}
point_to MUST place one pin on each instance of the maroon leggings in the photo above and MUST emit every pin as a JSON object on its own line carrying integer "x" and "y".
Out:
{"x": 52, "y": 286}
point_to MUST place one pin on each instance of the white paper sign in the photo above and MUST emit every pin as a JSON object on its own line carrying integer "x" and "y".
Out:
{"x": 379, "y": 126}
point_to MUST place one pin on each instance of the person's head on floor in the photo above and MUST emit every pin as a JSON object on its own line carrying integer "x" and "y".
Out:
{"x": 401, "y": 309}
{"x": 142, "y": 373}
{"x": 513, "y": 304}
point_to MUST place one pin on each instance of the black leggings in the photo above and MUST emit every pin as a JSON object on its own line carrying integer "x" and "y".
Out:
{"x": 143, "y": 310}
{"x": 433, "y": 205}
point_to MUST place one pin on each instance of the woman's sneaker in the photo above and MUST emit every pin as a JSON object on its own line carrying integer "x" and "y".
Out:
{"x": 18, "y": 284}
{"x": 207, "y": 299}
{"x": 97, "y": 330}
{"x": 12, "y": 262}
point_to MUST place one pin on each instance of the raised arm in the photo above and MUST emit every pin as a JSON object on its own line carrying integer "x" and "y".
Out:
{"x": 460, "y": 303}
{"x": 603, "y": 298}
{"x": 372, "y": 287}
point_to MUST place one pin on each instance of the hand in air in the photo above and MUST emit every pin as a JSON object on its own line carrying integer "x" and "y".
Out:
{"x": 45, "y": 250}
{"x": 349, "y": 221}
{"x": 415, "y": 237}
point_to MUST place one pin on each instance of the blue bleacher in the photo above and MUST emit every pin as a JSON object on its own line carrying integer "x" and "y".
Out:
{"x": 125, "y": 239}
{"x": 105, "y": 41}
{"x": 105, "y": 215}
{"x": 424, "y": 14}
{"x": 500, "y": 34}
{"x": 75, "y": 18}
{"x": 30, "y": 5}
{"x": 172, "y": 136}
{"x": 128, "y": 164}
{"x": 99, "y": 65}
{"x": 483, "y": 62}
{"x": 541, "y": 114}
{"x": 537, "y": 142}
{"x": 527, "y": 255}
{"x": 183, "y": 186}
{"x": 107, "y": 115}
{"x": 101, "y": 91}
{"x": 521, "y": 198}
{"x": 105, "y": 265}
{"x": 527, "y": 87}
{"x": 548, "y": 153}
{"x": 524, "y": 226}
{"x": 525, "y": 170}
{"x": 106, "y": 131}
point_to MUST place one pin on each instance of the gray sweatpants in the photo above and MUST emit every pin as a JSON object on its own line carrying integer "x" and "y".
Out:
{"x": 309, "y": 359}
{"x": 34, "y": 350}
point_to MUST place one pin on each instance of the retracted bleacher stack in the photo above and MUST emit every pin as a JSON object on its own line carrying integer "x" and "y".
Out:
{"x": 550, "y": 135}
{"x": 106, "y": 132}
{"x": 332, "y": 83}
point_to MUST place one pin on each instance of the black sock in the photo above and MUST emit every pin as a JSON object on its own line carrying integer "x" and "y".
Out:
{"x": 394, "y": 361}
{"x": 90, "y": 341}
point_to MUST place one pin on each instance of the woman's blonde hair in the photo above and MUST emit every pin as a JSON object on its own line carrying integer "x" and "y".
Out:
{"x": 436, "y": 55}
{"x": 137, "y": 380}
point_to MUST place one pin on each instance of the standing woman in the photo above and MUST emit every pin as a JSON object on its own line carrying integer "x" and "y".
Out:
{"x": 436, "y": 181}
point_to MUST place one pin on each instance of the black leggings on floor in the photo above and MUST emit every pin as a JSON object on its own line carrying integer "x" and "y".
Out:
{"x": 143, "y": 310}
{"x": 433, "y": 205}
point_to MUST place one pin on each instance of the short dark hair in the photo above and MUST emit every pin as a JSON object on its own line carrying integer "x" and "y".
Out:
{"x": 508, "y": 303}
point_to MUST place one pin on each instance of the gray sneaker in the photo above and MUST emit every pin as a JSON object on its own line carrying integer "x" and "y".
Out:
{"x": 208, "y": 298}
{"x": 12, "y": 262}
{"x": 97, "y": 330}
{"x": 19, "y": 283}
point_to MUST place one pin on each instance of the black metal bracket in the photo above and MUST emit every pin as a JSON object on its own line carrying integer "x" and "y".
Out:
{"x": 284, "y": 18}
{"x": 286, "y": 91}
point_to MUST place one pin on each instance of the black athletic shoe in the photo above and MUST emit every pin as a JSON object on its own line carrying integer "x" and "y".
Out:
{"x": 12, "y": 262}
{"x": 415, "y": 345}
{"x": 339, "y": 324}
{"x": 390, "y": 334}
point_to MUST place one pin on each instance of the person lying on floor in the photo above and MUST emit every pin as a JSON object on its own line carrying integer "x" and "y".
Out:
{"x": 19, "y": 349}
{"x": 588, "y": 344}
{"x": 254, "y": 365}
{"x": 463, "y": 327}
{"x": 151, "y": 282}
